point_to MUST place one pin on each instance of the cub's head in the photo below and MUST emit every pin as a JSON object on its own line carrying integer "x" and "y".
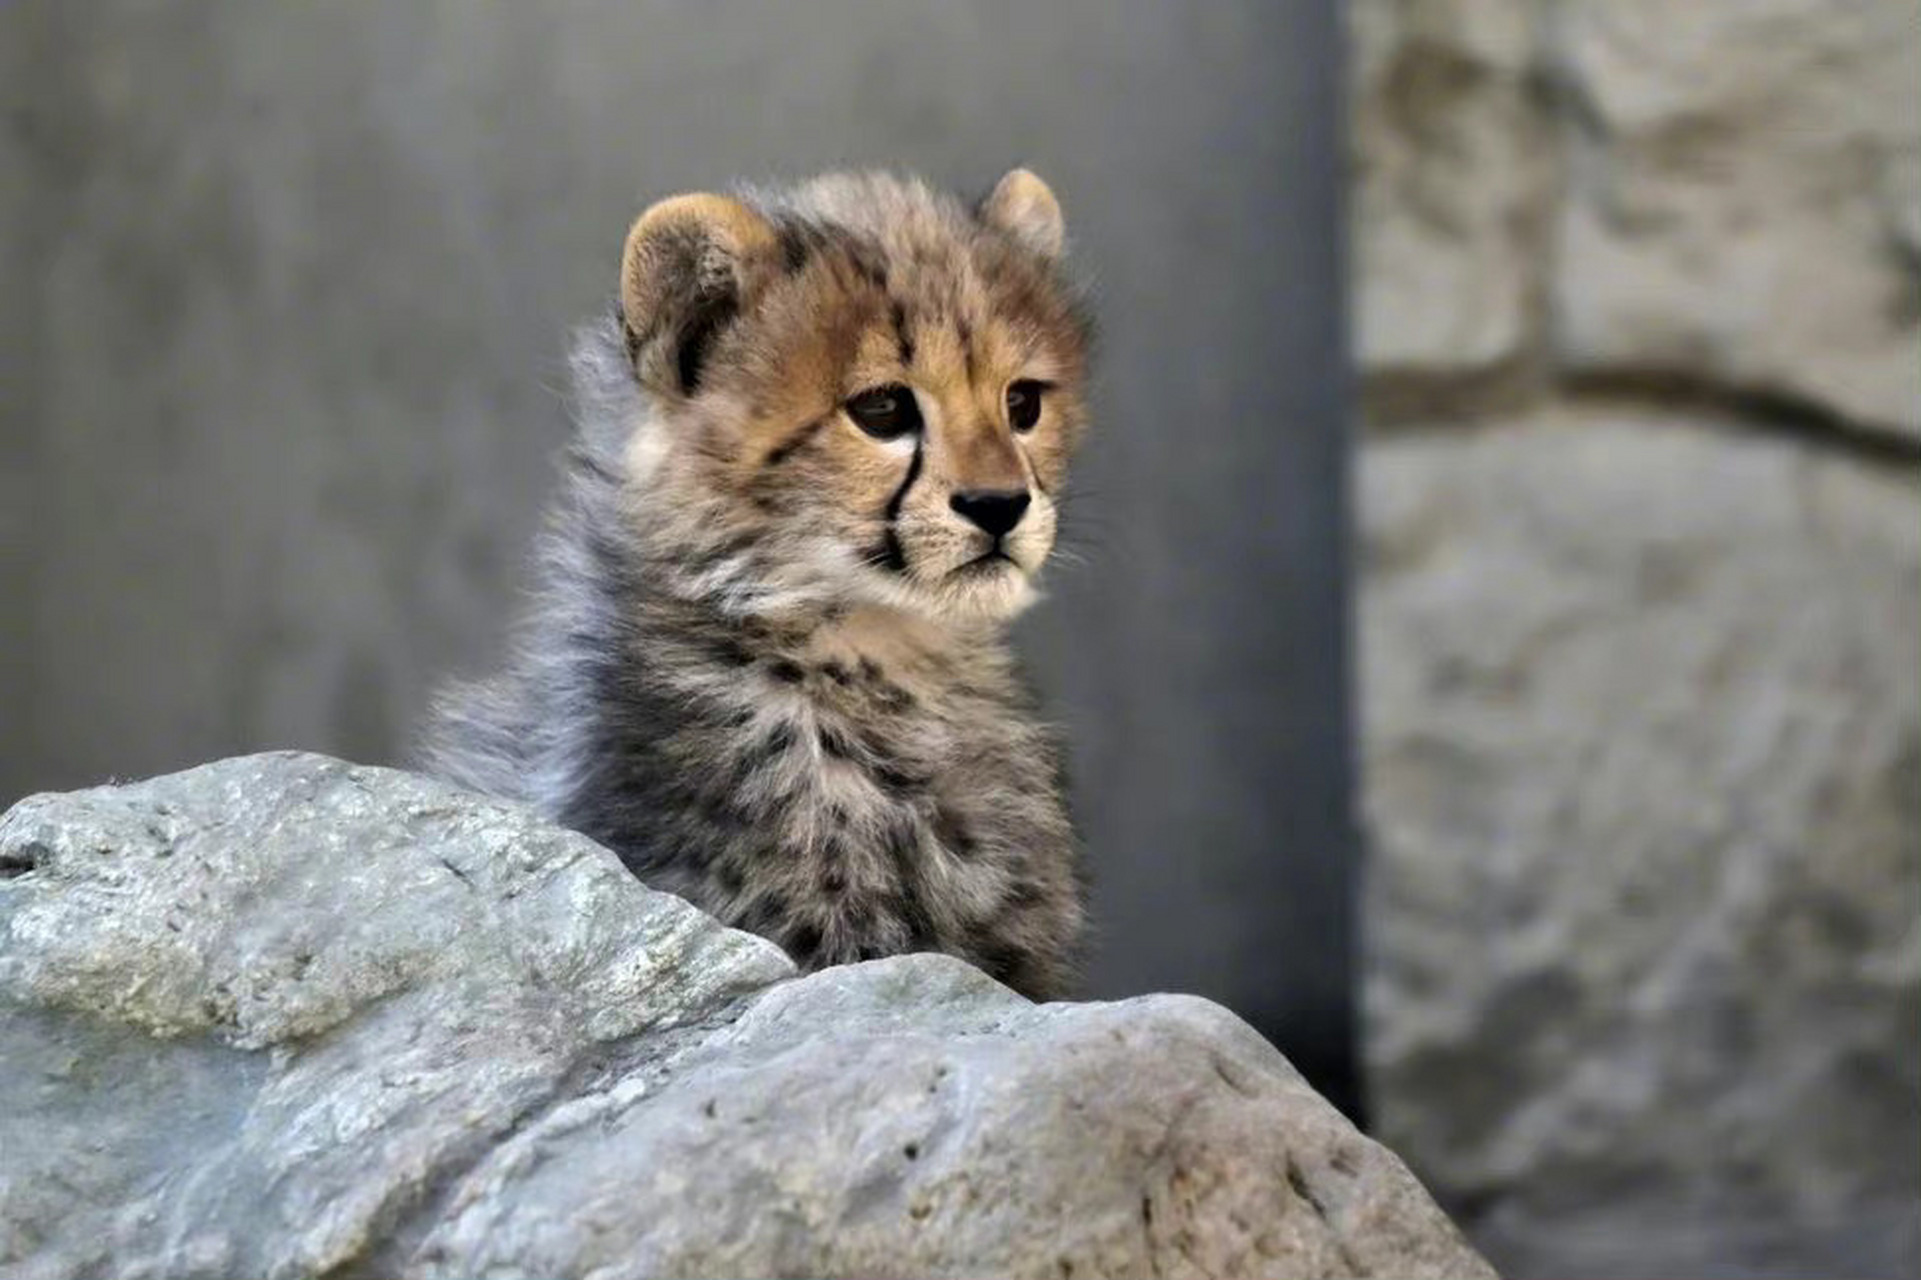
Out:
{"x": 861, "y": 390}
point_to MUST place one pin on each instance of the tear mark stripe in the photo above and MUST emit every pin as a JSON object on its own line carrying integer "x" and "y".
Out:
{"x": 890, "y": 554}
{"x": 900, "y": 494}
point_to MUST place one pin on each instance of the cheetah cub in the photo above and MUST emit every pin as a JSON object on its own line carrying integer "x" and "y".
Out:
{"x": 821, "y": 445}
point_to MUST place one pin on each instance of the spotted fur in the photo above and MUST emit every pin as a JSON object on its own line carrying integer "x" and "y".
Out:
{"x": 767, "y": 666}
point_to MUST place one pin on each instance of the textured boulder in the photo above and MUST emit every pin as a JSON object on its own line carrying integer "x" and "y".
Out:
{"x": 1744, "y": 198}
{"x": 1643, "y": 752}
{"x": 283, "y": 1016}
{"x": 1452, "y": 172}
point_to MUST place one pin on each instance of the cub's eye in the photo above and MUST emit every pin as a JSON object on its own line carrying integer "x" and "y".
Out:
{"x": 885, "y": 413}
{"x": 1024, "y": 404}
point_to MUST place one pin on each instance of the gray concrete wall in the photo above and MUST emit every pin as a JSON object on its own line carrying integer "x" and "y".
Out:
{"x": 287, "y": 288}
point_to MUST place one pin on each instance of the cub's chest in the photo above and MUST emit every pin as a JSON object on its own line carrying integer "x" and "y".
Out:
{"x": 847, "y": 731}
{"x": 849, "y": 743}
{"x": 870, "y": 803}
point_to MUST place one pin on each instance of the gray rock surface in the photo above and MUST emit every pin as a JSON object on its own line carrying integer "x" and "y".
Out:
{"x": 1744, "y": 197}
{"x": 1638, "y": 306}
{"x": 1452, "y": 184}
{"x": 1723, "y": 193}
{"x": 284, "y": 1016}
{"x": 1643, "y": 752}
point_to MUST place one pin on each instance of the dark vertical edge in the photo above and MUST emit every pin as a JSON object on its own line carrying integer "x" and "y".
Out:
{"x": 1340, "y": 1076}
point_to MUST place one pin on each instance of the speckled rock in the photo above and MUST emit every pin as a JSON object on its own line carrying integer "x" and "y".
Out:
{"x": 283, "y": 1016}
{"x": 1643, "y": 755}
{"x": 254, "y": 1014}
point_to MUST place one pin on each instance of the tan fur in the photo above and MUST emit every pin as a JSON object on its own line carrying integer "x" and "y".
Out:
{"x": 736, "y": 230}
{"x": 827, "y": 332}
{"x": 775, "y": 679}
{"x": 1024, "y": 206}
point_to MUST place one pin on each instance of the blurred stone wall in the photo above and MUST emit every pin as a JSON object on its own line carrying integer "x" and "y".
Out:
{"x": 1638, "y": 306}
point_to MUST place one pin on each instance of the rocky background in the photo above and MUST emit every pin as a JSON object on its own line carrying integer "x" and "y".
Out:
{"x": 1638, "y": 311}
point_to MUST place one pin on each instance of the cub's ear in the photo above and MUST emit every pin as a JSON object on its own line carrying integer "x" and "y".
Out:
{"x": 1022, "y": 206}
{"x": 688, "y": 263}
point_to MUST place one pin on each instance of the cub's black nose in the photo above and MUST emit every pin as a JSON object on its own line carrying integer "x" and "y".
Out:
{"x": 995, "y": 510}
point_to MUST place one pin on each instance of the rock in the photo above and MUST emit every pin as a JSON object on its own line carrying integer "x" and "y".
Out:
{"x": 1452, "y": 174}
{"x": 283, "y": 1016}
{"x": 255, "y": 1013}
{"x": 1744, "y": 202}
{"x": 1643, "y": 732}
{"x": 912, "y": 1117}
